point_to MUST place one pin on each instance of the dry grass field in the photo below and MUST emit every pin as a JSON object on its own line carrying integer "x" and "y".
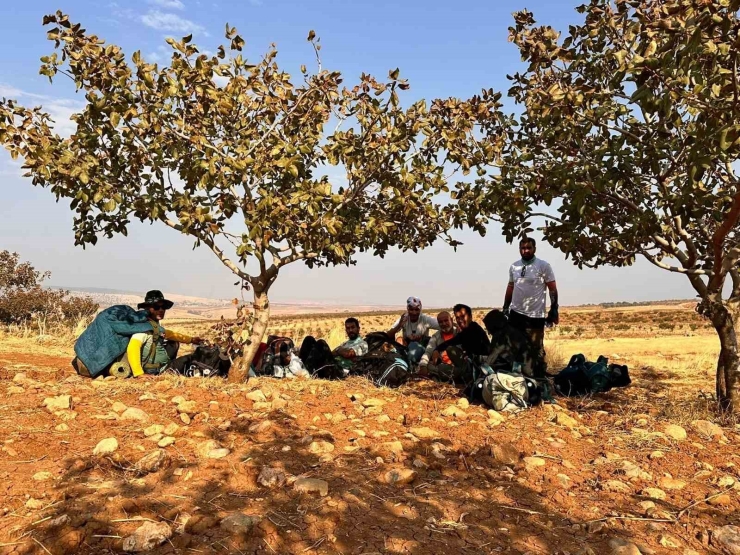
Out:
{"x": 308, "y": 466}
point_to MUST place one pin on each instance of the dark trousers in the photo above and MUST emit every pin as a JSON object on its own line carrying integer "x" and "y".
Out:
{"x": 534, "y": 329}
{"x": 318, "y": 359}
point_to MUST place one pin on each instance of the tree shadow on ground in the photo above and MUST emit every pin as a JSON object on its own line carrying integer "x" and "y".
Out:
{"x": 462, "y": 499}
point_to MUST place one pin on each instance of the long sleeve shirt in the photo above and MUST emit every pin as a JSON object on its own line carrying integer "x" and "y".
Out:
{"x": 473, "y": 340}
{"x": 437, "y": 339}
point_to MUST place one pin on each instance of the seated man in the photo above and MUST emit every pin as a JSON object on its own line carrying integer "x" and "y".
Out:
{"x": 415, "y": 327}
{"x": 322, "y": 362}
{"x": 437, "y": 364}
{"x": 511, "y": 349}
{"x": 470, "y": 346}
{"x": 151, "y": 352}
{"x": 288, "y": 365}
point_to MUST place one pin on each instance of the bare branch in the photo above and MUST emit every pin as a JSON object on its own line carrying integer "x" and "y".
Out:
{"x": 214, "y": 247}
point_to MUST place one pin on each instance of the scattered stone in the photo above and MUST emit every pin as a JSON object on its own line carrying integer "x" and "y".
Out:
{"x": 495, "y": 418}
{"x": 565, "y": 420}
{"x": 621, "y": 546}
{"x": 505, "y": 453}
{"x": 564, "y": 481}
{"x": 153, "y": 430}
{"x": 43, "y": 476}
{"x": 727, "y": 538}
{"x": 674, "y": 431}
{"x": 399, "y": 476}
{"x": 647, "y": 507}
{"x": 367, "y": 403}
{"x": 666, "y": 540}
{"x": 425, "y": 433}
{"x": 463, "y": 403}
{"x": 262, "y": 406}
{"x": 132, "y": 413}
{"x": 15, "y": 390}
{"x": 257, "y": 396}
{"x": 212, "y": 450}
{"x": 634, "y": 472}
{"x": 671, "y": 483}
{"x": 280, "y": 404}
{"x": 721, "y": 500}
{"x": 399, "y": 510}
{"x": 148, "y": 536}
{"x": 260, "y": 427}
{"x": 187, "y": 407}
{"x": 106, "y": 446}
{"x": 62, "y": 427}
{"x": 654, "y": 493}
{"x": 656, "y": 455}
{"x": 60, "y": 402}
{"x": 153, "y": 462}
{"x": 454, "y": 411}
{"x": 616, "y": 486}
{"x": 171, "y": 429}
{"x": 707, "y": 429}
{"x": 271, "y": 477}
{"x": 532, "y": 463}
{"x": 34, "y": 504}
{"x": 239, "y": 523}
{"x": 58, "y": 522}
{"x": 418, "y": 463}
{"x": 177, "y": 400}
{"x": 166, "y": 441}
{"x": 321, "y": 447}
{"x": 118, "y": 407}
{"x": 390, "y": 447}
{"x": 311, "y": 485}
{"x": 596, "y": 527}
{"x": 185, "y": 418}
{"x": 726, "y": 482}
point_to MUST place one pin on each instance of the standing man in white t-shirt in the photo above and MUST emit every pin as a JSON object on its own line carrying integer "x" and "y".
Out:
{"x": 530, "y": 279}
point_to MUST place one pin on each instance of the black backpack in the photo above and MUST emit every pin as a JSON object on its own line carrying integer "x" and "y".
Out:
{"x": 205, "y": 361}
{"x": 582, "y": 377}
{"x": 386, "y": 362}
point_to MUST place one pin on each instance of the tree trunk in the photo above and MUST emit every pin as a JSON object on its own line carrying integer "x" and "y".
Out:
{"x": 240, "y": 370}
{"x": 728, "y": 380}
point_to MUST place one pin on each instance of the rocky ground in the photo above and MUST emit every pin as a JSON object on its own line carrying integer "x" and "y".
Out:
{"x": 169, "y": 465}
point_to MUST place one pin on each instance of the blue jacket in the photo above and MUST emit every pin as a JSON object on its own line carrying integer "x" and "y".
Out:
{"x": 107, "y": 337}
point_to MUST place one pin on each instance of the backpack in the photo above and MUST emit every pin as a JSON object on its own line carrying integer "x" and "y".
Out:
{"x": 505, "y": 391}
{"x": 386, "y": 362}
{"x": 582, "y": 377}
{"x": 205, "y": 361}
{"x": 273, "y": 350}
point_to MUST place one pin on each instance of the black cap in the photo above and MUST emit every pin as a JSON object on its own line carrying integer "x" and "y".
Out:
{"x": 153, "y": 297}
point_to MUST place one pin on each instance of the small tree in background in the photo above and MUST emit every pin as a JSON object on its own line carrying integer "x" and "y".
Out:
{"x": 23, "y": 299}
{"x": 239, "y": 166}
{"x": 631, "y": 131}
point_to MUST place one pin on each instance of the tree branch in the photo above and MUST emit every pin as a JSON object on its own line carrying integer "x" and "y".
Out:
{"x": 718, "y": 240}
{"x": 214, "y": 247}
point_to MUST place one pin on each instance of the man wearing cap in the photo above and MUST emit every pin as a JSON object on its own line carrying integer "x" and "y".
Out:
{"x": 150, "y": 353}
{"x": 415, "y": 326}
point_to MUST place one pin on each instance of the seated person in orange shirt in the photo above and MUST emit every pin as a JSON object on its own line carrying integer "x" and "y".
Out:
{"x": 433, "y": 363}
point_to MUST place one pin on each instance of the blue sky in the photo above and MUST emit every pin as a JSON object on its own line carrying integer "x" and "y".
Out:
{"x": 443, "y": 49}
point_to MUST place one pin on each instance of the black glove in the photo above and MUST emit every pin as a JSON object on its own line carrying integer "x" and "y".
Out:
{"x": 552, "y": 316}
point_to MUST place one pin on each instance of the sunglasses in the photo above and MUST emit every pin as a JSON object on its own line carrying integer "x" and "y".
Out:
{"x": 159, "y": 307}
{"x": 524, "y": 271}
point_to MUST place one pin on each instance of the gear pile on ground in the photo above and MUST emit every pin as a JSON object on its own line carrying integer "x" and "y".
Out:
{"x": 168, "y": 465}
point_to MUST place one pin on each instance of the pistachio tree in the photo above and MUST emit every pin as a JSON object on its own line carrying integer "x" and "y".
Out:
{"x": 236, "y": 155}
{"x": 629, "y": 132}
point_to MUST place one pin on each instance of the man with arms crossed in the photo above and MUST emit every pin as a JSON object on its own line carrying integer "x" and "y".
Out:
{"x": 530, "y": 278}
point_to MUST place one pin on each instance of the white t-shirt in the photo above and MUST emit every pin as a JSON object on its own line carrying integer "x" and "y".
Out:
{"x": 420, "y": 327}
{"x": 530, "y": 289}
{"x": 295, "y": 368}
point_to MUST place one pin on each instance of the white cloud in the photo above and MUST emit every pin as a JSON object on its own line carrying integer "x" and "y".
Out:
{"x": 170, "y": 22}
{"x": 168, "y": 4}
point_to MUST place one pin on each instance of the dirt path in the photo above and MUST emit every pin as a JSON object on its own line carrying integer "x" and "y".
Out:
{"x": 543, "y": 481}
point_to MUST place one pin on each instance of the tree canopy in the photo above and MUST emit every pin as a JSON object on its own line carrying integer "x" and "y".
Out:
{"x": 630, "y": 133}
{"x": 233, "y": 153}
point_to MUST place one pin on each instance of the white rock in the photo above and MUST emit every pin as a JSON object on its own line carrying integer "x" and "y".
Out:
{"x": 257, "y": 396}
{"x": 60, "y": 402}
{"x": 532, "y": 463}
{"x": 728, "y": 538}
{"x": 399, "y": 476}
{"x": 153, "y": 462}
{"x": 166, "y": 441}
{"x": 675, "y": 432}
{"x": 311, "y": 485}
{"x": 132, "y": 413}
{"x": 118, "y": 407}
{"x": 239, "y": 523}
{"x": 621, "y": 546}
{"x": 271, "y": 477}
{"x": 153, "y": 430}
{"x": 106, "y": 446}
{"x": 148, "y": 536}
{"x": 425, "y": 433}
